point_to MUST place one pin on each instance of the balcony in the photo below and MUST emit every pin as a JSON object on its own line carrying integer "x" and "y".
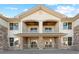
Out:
{"x": 49, "y": 26}
{"x": 37, "y": 27}
{"x": 36, "y": 30}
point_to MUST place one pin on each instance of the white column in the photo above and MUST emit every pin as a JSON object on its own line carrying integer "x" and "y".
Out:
{"x": 40, "y": 26}
{"x": 21, "y": 27}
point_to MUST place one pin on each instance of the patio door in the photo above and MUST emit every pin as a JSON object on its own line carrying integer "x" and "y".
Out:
{"x": 49, "y": 43}
{"x": 33, "y": 44}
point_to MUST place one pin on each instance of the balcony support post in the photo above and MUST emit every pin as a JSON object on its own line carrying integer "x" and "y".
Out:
{"x": 40, "y": 43}
{"x": 40, "y": 26}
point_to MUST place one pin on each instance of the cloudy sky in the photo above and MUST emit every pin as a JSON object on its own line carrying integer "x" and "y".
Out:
{"x": 11, "y": 10}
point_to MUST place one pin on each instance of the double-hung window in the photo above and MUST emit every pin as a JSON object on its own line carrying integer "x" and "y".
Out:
{"x": 13, "y": 26}
{"x": 67, "y": 25}
{"x": 11, "y": 40}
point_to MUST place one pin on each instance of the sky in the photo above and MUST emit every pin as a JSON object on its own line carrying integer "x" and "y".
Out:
{"x": 11, "y": 10}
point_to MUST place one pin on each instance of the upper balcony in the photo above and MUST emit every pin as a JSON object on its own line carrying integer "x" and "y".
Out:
{"x": 40, "y": 27}
{"x": 49, "y": 26}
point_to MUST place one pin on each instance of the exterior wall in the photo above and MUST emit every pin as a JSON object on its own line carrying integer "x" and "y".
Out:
{"x": 69, "y": 32}
{"x": 37, "y": 16}
{"x": 40, "y": 16}
{"x": 12, "y": 32}
{"x": 3, "y": 35}
{"x": 75, "y": 23}
{"x": 76, "y": 34}
{"x": 3, "y": 23}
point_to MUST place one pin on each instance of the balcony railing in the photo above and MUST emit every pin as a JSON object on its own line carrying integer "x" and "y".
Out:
{"x": 48, "y": 31}
{"x": 33, "y": 31}
{"x": 37, "y": 31}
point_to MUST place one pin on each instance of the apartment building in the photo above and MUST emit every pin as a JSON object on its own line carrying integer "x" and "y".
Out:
{"x": 39, "y": 28}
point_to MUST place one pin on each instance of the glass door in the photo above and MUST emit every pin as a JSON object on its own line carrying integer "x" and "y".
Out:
{"x": 33, "y": 44}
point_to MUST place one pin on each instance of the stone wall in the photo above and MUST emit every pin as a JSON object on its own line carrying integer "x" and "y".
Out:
{"x": 3, "y": 38}
{"x": 76, "y": 38}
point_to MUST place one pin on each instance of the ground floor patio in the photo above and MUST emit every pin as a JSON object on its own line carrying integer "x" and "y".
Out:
{"x": 41, "y": 40}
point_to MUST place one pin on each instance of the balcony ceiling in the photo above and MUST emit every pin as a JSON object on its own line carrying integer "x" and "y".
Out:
{"x": 46, "y": 23}
{"x": 49, "y": 23}
{"x": 31, "y": 23}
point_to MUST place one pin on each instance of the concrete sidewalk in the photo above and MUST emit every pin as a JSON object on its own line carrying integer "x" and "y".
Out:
{"x": 35, "y": 51}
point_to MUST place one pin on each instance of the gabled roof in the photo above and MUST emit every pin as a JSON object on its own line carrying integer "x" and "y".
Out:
{"x": 8, "y": 19}
{"x": 3, "y": 17}
{"x": 40, "y": 7}
{"x": 76, "y": 17}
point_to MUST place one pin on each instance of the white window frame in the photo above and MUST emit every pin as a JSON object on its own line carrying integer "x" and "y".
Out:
{"x": 67, "y": 26}
{"x": 13, "y": 28}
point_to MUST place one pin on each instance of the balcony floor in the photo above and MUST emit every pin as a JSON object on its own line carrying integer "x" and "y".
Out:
{"x": 40, "y": 34}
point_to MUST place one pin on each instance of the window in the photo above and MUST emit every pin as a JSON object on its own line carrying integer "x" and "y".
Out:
{"x": 33, "y": 29}
{"x": 67, "y": 25}
{"x": 69, "y": 41}
{"x": 48, "y": 29}
{"x": 48, "y": 44}
{"x": 65, "y": 41}
{"x": 11, "y": 41}
{"x": 64, "y": 25}
{"x": 33, "y": 45}
{"x": 16, "y": 42}
{"x": 13, "y": 26}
